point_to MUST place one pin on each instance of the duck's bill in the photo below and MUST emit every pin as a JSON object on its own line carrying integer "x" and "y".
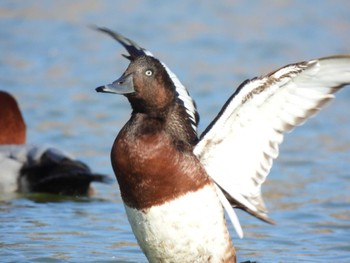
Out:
{"x": 123, "y": 85}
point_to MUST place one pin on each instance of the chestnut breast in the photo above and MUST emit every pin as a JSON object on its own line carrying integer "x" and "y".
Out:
{"x": 151, "y": 166}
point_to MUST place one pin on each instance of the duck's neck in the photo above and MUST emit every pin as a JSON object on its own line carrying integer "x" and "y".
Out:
{"x": 179, "y": 123}
{"x": 172, "y": 120}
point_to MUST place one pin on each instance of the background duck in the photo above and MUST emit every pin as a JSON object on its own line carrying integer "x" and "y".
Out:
{"x": 37, "y": 168}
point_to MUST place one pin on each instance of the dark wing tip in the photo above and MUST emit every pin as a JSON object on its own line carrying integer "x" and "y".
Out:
{"x": 260, "y": 214}
{"x": 133, "y": 48}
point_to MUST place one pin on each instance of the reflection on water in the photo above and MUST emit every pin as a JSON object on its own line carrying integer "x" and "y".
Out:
{"x": 51, "y": 61}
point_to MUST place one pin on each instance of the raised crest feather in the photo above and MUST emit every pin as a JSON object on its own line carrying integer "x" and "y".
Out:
{"x": 133, "y": 48}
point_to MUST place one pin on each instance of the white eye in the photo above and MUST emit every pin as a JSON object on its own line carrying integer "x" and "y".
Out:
{"x": 149, "y": 72}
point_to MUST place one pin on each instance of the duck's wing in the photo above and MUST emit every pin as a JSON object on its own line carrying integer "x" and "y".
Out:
{"x": 135, "y": 51}
{"x": 238, "y": 147}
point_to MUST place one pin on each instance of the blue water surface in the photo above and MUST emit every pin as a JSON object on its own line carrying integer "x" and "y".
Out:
{"x": 51, "y": 60}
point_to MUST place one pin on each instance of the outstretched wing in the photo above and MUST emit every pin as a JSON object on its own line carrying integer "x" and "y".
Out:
{"x": 238, "y": 147}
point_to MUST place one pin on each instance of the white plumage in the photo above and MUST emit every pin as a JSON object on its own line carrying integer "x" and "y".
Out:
{"x": 195, "y": 219}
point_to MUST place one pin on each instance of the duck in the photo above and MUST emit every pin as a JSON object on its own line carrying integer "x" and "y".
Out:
{"x": 175, "y": 184}
{"x": 31, "y": 168}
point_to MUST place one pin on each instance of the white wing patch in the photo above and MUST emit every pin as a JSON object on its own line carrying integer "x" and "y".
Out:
{"x": 182, "y": 93}
{"x": 230, "y": 212}
{"x": 239, "y": 147}
{"x": 184, "y": 96}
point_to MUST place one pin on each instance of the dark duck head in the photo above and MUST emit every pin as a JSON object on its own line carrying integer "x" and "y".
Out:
{"x": 153, "y": 90}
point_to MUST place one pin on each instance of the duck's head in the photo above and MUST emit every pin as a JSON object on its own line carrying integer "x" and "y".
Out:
{"x": 148, "y": 83}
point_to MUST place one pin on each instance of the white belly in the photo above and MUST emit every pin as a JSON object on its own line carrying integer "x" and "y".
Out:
{"x": 191, "y": 228}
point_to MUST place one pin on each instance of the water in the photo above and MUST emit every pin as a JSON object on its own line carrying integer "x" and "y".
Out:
{"x": 51, "y": 61}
